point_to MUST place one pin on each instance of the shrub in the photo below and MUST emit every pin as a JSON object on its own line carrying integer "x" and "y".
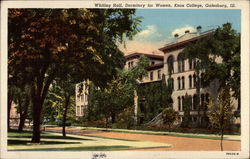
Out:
{"x": 169, "y": 116}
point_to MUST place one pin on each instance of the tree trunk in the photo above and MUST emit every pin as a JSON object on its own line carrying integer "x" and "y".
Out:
{"x": 23, "y": 114}
{"x": 37, "y": 105}
{"x": 10, "y": 99}
{"x": 221, "y": 140}
{"x": 67, "y": 99}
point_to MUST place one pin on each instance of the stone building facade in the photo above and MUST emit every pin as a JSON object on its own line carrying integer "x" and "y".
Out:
{"x": 180, "y": 71}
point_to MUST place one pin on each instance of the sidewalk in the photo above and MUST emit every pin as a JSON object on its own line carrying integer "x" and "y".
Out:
{"x": 209, "y": 136}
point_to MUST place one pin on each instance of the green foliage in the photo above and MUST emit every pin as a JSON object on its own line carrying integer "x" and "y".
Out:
{"x": 118, "y": 95}
{"x": 169, "y": 116}
{"x": 157, "y": 97}
{"x": 125, "y": 119}
{"x": 221, "y": 114}
{"x": 45, "y": 44}
{"x": 224, "y": 42}
{"x": 186, "y": 108}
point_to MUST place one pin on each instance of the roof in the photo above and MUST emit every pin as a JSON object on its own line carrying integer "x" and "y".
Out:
{"x": 176, "y": 45}
{"x": 137, "y": 54}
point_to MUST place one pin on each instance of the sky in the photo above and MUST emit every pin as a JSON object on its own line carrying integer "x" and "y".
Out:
{"x": 158, "y": 26}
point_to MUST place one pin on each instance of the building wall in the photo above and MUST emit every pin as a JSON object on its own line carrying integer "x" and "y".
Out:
{"x": 81, "y": 98}
{"x": 210, "y": 91}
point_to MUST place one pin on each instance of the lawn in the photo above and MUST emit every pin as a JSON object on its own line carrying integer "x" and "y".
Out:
{"x": 21, "y": 141}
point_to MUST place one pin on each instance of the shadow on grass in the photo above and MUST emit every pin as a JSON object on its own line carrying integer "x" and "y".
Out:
{"x": 22, "y": 142}
{"x": 91, "y": 148}
{"x": 28, "y": 134}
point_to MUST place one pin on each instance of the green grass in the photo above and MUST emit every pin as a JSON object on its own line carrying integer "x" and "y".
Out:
{"x": 161, "y": 134}
{"x": 91, "y": 148}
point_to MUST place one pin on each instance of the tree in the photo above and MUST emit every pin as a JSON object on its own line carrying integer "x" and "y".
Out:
{"x": 118, "y": 95}
{"x": 187, "y": 103}
{"x": 224, "y": 43}
{"x": 62, "y": 98}
{"x": 23, "y": 104}
{"x": 169, "y": 116}
{"x": 43, "y": 41}
{"x": 220, "y": 114}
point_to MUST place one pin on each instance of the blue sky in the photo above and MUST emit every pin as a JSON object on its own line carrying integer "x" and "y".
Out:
{"x": 159, "y": 25}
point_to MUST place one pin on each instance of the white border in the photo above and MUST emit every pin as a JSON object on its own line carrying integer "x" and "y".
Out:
{"x": 245, "y": 65}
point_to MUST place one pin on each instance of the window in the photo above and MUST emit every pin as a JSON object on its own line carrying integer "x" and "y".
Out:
{"x": 81, "y": 109}
{"x": 78, "y": 97}
{"x": 179, "y": 83}
{"x": 179, "y": 103}
{"x": 202, "y": 80}
{"x": 152, "y": 63}
{"x": 202, "y": 101}
{"x": 170, "y": 63}
{"x": 132, "y": 64}
{"x": 183, "y": 82}
{"x": 151, "y": 76}
{"x": 194, "y": 81}
{"x": 172, "y": 82}
{"x": 82, "y": 97}
{"x": 128, "y": 64}
{"x": 182, "y": 106}
{"x": 181, "y": 63}
{"x": 190, "y": 81}
{"x": 86, "y": 98}
{"x": 78, "y": 110}
{"x": 190, "y": 64}
{"x": 159, "y": 74}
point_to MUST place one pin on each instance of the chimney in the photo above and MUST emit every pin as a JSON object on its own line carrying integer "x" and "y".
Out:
{"x": 198, "y": 28}
{"x": 187, "y": 31}
{"x": 176, "y": 37}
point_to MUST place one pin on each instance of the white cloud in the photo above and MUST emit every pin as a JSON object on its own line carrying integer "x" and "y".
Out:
{"x": 151, "y": 33}
{"x": 181, "y": 31}
{"x": 148, "y": 40}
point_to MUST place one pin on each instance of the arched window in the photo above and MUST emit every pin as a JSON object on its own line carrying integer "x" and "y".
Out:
{"x": 183, "y": 82}
{"x": 172, "y": 82}
{"x": 190, "y": 81}
{"x": 190, "y": 64}
{"x": 202, "y": 101}
{"x": 179, "y": 103}
{"x": 181, "y": 64}
{"x": 170, "y": 63}
{"x": 179, "y": 83}
{"x": 194, "y": 80}
{"x": 182, "y": 106}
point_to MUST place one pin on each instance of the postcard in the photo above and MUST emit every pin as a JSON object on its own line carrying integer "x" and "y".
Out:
{"x": 124, "y": 79}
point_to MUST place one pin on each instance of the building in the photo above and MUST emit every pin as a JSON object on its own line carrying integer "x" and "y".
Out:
{"x": 176, "y": 69}
{"x": 182, "y": 73}
{"x": 154, "y": 75}
{"x": 155, "y": 70}
{"x": 82, "y": 92}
